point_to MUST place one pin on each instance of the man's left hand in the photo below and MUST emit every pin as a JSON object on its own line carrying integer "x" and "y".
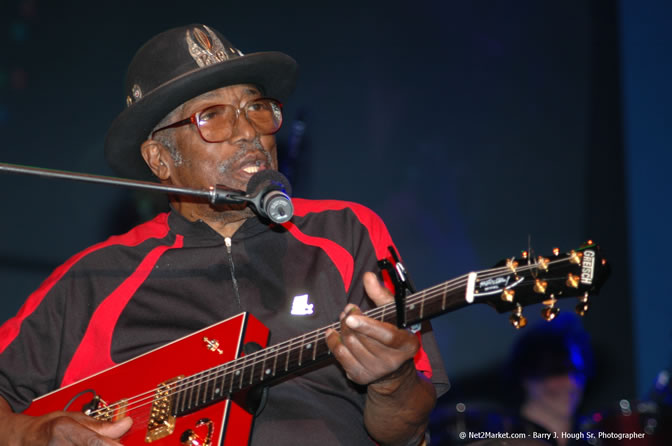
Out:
{"x": 370, "y": 350}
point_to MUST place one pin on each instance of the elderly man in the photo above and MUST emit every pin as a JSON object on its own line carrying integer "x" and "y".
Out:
{"x": 200, "y": 113}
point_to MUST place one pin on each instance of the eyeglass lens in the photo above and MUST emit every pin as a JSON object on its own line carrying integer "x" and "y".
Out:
{"x": 216, "y": 123}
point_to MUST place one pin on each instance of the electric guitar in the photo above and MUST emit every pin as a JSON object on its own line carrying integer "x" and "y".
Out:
{"x": 192, "y": 391}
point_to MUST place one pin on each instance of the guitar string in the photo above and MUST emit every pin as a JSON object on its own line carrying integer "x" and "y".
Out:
{"x": 193, "y": 381}
{"x": 221, "y": 371}
{"x": 279, "y": 349}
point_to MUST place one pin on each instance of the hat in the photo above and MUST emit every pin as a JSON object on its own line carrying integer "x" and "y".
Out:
{"x": 176, "y": 66}
{"x": 561, "y": 346}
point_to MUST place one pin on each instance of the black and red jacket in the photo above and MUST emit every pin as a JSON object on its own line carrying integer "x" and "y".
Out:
{"x": 169, "y": 277}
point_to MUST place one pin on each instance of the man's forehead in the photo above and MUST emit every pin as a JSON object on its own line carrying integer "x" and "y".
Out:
{"x": 238, "y": 89}
{"x": 235, "y": 91}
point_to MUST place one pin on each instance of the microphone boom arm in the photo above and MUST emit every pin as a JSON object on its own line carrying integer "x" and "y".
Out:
{"x": 215, "y": 194}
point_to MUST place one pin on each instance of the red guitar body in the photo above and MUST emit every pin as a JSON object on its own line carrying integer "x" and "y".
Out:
{"x": 225, "y": 422}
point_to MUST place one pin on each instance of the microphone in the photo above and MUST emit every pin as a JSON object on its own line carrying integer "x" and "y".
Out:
{"x": 268, "y": 191}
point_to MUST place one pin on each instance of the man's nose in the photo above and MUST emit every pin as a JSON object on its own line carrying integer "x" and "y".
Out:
{"x": 243, "y": 130}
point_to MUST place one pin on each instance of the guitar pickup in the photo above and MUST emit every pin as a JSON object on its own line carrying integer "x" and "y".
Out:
{"x": 161, "y": 418}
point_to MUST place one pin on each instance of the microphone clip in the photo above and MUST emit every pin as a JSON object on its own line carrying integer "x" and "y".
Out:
{"x": 270, "y": 202}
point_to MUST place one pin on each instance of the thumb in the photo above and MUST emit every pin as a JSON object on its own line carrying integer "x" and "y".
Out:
{"x": 113, "y": 429}
{"x": 376, "y": 291}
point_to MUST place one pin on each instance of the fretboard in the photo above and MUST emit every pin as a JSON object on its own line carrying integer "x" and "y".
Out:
{"x": 293, "y": 355}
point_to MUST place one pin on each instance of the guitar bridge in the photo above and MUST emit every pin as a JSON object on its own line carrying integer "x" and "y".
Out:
{"x": 161, "y": 419}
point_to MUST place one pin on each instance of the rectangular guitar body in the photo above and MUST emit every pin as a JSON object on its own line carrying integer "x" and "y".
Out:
{"x": 225, "y": 421}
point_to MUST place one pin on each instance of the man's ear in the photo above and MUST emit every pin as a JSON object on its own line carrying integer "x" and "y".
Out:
{"x": 157, "y": 158}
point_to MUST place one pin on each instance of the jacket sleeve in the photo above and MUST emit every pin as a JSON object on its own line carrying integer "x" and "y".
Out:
{"x": 31, "y": 343}
{"x": 374, "y": 245}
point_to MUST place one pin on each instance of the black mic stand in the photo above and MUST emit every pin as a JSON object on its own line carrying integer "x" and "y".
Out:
{"x": 215, "y": 194}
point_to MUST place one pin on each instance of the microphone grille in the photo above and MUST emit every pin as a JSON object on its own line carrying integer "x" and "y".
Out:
{"x": 264, "y": 177}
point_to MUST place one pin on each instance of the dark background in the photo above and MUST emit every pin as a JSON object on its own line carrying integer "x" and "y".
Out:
{"x": 470, "y": 127}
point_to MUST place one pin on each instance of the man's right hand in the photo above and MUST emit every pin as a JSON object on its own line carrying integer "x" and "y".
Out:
{"x": 58, "y": 428}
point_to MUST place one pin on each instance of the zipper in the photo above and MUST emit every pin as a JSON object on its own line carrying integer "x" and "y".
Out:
{"x": 232, "y": 268}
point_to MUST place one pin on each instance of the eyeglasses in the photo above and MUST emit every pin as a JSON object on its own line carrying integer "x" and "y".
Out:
{"x": 216, "y": 123}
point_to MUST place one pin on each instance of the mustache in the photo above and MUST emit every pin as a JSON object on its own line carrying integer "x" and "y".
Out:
{"x": 244, "y": 149}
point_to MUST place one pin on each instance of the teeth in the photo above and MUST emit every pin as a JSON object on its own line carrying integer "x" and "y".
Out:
{"x": 251, "y": 169}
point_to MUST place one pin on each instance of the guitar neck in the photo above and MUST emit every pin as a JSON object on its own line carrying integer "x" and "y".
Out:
{"x": 515, "y": 284}
{"x": 309, "y": 349}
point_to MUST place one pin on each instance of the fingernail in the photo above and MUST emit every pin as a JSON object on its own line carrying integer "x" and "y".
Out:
{"x": 350, "y": 308}
{"x": 352, "y": 322}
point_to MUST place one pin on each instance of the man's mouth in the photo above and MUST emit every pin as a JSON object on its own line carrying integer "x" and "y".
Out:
{"x": 251, "y": 169}
{"x": 245, "y": 164}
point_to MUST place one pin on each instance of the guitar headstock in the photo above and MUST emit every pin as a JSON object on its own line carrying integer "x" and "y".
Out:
{"x": 531, "y": 279}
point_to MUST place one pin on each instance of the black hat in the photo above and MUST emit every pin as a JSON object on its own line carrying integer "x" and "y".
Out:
{"x": 176, "y": 66}
{"x": 559, "y": 347}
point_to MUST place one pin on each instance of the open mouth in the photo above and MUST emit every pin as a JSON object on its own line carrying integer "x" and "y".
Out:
{"x": 239, "y": 171}
{"x": 252, "y": 169}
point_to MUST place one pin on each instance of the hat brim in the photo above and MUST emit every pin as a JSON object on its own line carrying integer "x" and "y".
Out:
{"x": 274, "y": 72}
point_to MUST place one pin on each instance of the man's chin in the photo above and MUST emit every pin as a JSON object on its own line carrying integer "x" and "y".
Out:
{"x": 230, "y": 207}
{"x": 231, "y": 211}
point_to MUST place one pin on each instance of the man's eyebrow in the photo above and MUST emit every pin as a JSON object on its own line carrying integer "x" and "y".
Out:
{"x": 249, "y": 91}
{"x": 208, "y": 95}
{"x": 252, "y": 91}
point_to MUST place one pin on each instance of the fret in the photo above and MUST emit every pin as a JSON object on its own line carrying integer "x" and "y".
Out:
{"x": 310, "y": 346}
{"x": 252, "y": 371}
{"x": 216, "y": 386}
{"x": 263, "y": 366}
{"x": 301, "y": 349}
{"x": 382, "y": 316}
{"x": 236, "y": 373}
{"x": 287, "y": 351}
{"x": 406, "y": 315}
{"x": 206, "y": 386}
{"x": 422, "y": 305}
{"x": 198, "y": 389}
{"x": 270, "y": 370}
{"x": 210, "y": 385}
{"x": 443, "y": 300}
{"x": 275, "y": 359}
{"x": 191, "y": 395}
{"x": 317, "y": 339}
{"x": 179, "y": 399}
{"x": 241, "y": 372}
{"x": 262, "y": 371}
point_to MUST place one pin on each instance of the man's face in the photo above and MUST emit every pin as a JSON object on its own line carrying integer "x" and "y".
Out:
{"x": 230, "y": 163}
{"x": 559, "y": 394}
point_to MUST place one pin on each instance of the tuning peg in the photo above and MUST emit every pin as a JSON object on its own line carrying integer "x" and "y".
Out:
{"x": 582, "y": 306}
{"x": 572, "y": 280}
{"x": 512, "y": 265}
{"x": 575, "y": 257}
{"x": 540, "y": 286}
{"x": 542, "y": 263}
{"x": 550, "y": 310}
{"x": 556, "y": 251}
{"x": 517, "y": 319}
{"x": 507, "y": 295}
